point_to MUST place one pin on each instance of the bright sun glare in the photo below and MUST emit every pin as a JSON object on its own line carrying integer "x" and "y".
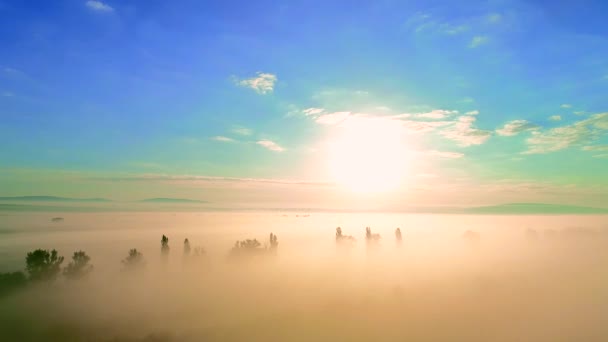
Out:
{"x": 368, "y": 155}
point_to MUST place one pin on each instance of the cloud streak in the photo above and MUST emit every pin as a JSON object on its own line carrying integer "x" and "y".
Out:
{"x": 559, "y": 138}
{"x": 270, "y": 145}
{"x": 99, "y": 6}
{"x": 515, "y": 127}
{"x": 222, "y": 138}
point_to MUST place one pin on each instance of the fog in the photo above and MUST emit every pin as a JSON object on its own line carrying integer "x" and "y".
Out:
{"x": 452, "y": 278}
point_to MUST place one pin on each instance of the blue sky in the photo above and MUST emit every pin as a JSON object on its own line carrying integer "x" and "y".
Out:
{"x": 498, "y": 100}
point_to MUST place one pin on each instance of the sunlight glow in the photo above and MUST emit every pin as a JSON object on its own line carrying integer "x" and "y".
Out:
{"x": 368, "y": 155}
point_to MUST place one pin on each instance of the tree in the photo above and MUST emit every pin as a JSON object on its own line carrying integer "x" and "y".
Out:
{"x": 274, "y": 242}
{"x": 187, "y": 247}
{"x": 372, "y": 239}
{"x": 247, "y": 247}
{"x": 79, "y": 267}
{"x": 398, "y": 235}
{"x": 135, "y": 260}
{"x": 164, "y": 245}
{"x": 43, "y": 265}
{"x": 343, "y": 239}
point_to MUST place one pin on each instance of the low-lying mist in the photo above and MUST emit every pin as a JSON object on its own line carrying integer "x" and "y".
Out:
{"x": 451, "y": 278}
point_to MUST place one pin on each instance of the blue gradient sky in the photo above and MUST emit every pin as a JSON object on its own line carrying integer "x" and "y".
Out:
{"x": 125, "y": 99}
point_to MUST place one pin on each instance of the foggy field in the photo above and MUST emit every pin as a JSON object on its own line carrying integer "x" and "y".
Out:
{"x": 526, "y": 278}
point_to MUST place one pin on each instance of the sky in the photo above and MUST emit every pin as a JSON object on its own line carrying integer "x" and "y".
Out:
{"x": 297, "y": 104}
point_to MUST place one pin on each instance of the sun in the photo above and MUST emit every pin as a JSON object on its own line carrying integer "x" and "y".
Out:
{"x": 368, "y": 155}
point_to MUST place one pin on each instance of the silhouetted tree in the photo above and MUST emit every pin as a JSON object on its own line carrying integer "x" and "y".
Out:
{"x": 370, "y": 237}
{"x": 398, "y": 235}
{"x": 135, "y": 260}
{"x": 11, "y": 281}
{"x": 187, "y": 247}
{"x": 274, "y": 242}
{"x": 341, "y": 238}
{"x": 79, "y": 267}
{"x": 164, "y": 246}
{"x": 43, "y": 265}
{"x": 247, "y": 247}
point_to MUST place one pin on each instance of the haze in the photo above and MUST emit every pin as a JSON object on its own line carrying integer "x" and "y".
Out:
{"x": 510, "y": 284}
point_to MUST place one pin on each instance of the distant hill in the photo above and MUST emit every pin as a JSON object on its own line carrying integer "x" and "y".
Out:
{"x": 535, "y": 208}
{"x": 171, "y": 200}
{"x": 50, "y": 199}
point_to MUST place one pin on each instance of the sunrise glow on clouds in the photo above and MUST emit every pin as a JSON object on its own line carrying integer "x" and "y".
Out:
{"x": 436, "y": 98}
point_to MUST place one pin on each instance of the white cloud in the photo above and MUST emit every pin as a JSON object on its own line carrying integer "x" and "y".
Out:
{"x": 478, "y": 41}
{"x": 99, "y": 6}
{"x": 423, "y": 126}
{"x": 463, "y": 132}
{"x": 7, "y": 94}
{"x": 332, "y": 118}
{"x": 566, "y": 106}
{"x": 222, "y": 138}
{"x": 601, "y": 156}
{"x": 473, "y": 112}
{"x": 555, "y": 118}
{"x": 271, "y": 145}
{"x": 242, "y": 131}
{"x": 448, "y": 155}
{"x": 313, "y": 111}
{"x": 437, "y": 114}
{"x": 515, "y": 127}
{"x": 596, "y": 148}
{"x": 579, "y": 113}
{"x": 563, "y": 137}
{"x": 263, "y": 83}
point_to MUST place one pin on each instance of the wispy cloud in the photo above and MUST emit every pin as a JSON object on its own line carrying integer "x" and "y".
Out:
{"x": 99, "y": 6}
{"x": 464, "y": 133}
{"x": 263, "y": 83}
{"x": 271, "y": 145}
{"x": 222, "y": 138}
{"x": 196, "y": 178}
{"x": 242, "y": 131}
{"x": 412, "y": 126}
{"x": 436, "y": 114}
{"x": 7, "y": 94}
{"x": 473, "y": 112}
{"x": 424, "y": 22}
{"x": 563, "y": 137}
{"x": 566, "y": 106}
{"x": 478, "y": 41}
{"x": 515, "y": 127}
{"x": 313, "y": 111}
{"x": 555, "y": 118}
{"x": 596, "y": 148}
